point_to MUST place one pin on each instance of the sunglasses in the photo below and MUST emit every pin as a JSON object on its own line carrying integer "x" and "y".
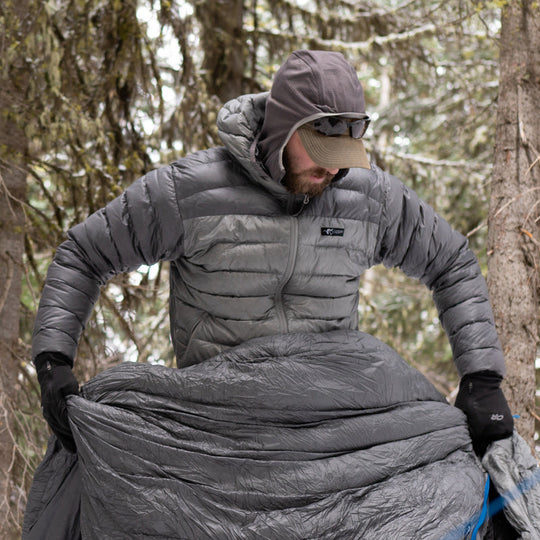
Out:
{"x": 334, "y": 126}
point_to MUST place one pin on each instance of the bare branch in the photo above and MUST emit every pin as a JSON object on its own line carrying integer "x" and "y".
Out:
{"x": 461, "y": 164}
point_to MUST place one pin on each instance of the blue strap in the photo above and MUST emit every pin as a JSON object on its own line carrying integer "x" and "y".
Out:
{"x": 484, "y": 512}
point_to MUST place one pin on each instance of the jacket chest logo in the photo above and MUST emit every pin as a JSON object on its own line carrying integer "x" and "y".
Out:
{"x": 332, "y": 231}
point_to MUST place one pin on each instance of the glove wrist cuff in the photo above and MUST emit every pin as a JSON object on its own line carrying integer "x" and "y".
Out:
{"x": 486, "y": 377}
{"x": 54, "y": 358}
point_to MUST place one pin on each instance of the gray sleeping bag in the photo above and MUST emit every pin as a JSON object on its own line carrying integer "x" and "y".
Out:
{"x": 289, "y": 437}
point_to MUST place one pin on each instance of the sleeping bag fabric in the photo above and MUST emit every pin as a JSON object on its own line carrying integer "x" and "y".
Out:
{"x": 298, "y": 436}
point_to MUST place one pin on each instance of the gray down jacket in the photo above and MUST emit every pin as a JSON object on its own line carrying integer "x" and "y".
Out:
{"x": 248, "y": 259}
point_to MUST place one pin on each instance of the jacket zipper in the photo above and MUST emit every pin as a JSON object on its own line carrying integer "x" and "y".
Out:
{"x": 278, "y": 297}
{"x": 291, "y": 263}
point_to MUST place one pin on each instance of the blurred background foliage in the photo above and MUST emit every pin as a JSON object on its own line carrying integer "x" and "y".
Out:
{"x": 117, "y": 88}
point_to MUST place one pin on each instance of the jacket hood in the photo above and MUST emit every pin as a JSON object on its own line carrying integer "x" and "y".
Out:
{"x": 256, "y": 127}
{"x": 309, "y": 85}
{"x": 239, "y": 124}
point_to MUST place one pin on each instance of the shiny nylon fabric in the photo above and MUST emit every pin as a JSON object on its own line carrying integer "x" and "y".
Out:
{"x": 296, "y": 436}
{"x": 515, "y": 474}
{"x": 235, "y": 249}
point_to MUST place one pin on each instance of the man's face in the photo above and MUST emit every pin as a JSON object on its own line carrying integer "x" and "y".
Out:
{"x": 302, "y": 174}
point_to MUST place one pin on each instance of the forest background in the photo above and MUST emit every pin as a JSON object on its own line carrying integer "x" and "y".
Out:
{"x": 95, "y": 93}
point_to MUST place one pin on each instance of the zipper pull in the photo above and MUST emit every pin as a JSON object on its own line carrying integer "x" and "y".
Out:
{"x": 306, "y": 199}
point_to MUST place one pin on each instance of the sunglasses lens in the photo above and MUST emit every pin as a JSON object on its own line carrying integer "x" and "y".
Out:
{"x": 333, "y": 126}
{"x": 330, "y": 125}
{"x": 358, "y": 128}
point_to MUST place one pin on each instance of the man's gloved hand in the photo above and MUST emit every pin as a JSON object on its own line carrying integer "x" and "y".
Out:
{"x": 482, "y": 400}
{"x": 57, "y": 381}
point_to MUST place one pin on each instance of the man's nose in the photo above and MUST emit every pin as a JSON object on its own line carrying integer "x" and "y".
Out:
{"x": 333, "y": 171}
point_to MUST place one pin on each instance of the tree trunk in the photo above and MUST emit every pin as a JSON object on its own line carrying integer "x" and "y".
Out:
{"x": 12, "y": 192}
{"x": 513, "y": 238}
{"x": 13, "y": 148}
{"x": 224, "y": 49}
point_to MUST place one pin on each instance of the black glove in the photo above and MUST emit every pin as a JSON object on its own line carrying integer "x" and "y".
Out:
{"x": 57, "y": 381}
{"x": 482, "y": 400}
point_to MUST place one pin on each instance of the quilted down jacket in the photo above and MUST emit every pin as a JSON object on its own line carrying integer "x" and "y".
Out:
{"x": 249, "y": 259}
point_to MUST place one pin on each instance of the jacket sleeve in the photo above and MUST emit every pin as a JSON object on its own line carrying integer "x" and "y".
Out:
{"x": 142, "y": 226}
{"x": 416, "y": 239}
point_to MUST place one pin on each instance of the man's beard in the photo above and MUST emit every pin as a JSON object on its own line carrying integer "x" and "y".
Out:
{"x": 300, "y": 182}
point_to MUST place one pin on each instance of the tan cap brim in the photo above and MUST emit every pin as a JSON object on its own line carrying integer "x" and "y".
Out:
{"x": 341, "y": 152}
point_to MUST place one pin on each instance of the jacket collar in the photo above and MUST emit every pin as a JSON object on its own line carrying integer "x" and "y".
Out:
{"x": 239, "y": 126}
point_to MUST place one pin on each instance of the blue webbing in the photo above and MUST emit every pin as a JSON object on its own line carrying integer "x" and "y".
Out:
{"x": 484, "y": 512}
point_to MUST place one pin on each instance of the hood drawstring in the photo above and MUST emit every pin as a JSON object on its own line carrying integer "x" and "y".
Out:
{"x": 294, "y": 206}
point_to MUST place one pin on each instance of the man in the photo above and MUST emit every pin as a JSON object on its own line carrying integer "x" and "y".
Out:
{"x": 270, "y": 234}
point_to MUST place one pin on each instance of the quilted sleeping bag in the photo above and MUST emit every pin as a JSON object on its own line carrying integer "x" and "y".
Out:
{"x": 299, "y": 436}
